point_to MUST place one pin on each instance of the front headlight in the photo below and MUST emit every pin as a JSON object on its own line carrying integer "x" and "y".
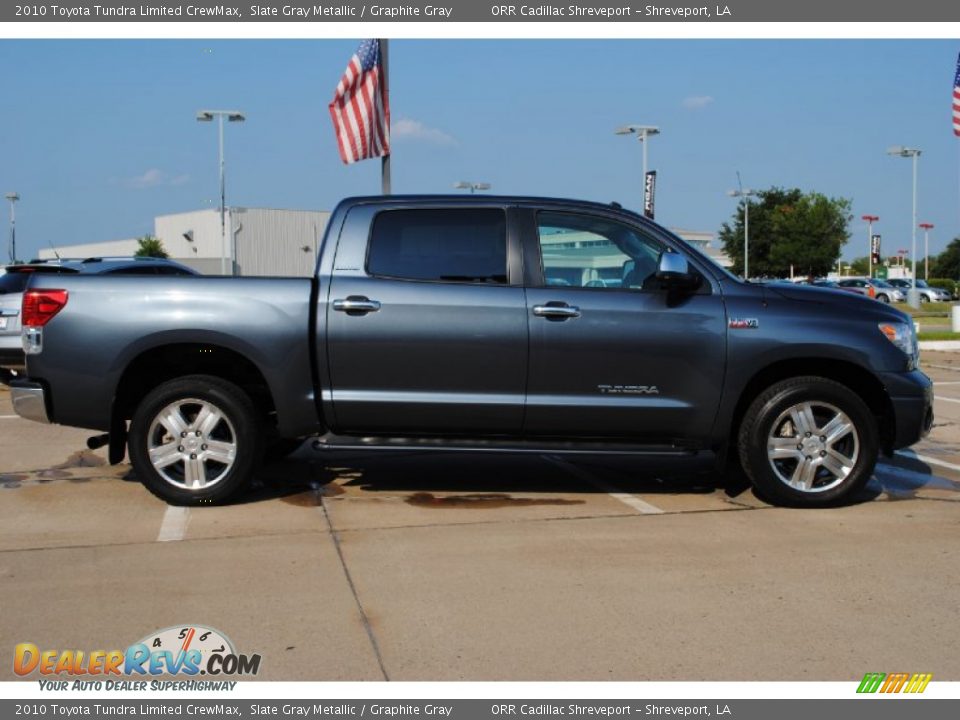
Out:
{"x": 904, "y": 336}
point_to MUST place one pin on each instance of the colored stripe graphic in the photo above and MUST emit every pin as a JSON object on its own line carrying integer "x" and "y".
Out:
{"x": 871, "y": 682}
{"x": 894, "y": 682}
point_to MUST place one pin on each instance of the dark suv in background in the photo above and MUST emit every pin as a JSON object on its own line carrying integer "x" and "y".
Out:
{"x": 13, "y": 279}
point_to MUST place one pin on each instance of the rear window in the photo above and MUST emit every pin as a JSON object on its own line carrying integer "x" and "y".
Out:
{"x": 14, "y": 280}
{"x": 455, "y": 245}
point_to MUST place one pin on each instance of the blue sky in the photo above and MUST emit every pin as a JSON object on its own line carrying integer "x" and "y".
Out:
{"x": 99, "y": 136}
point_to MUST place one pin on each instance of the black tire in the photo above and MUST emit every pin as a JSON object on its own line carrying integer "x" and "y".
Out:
{"x": 226, "y": 454}
{"x": 827, "y": 401}
{"x": 883, "y": 298}
{"x": 923, "y": 299}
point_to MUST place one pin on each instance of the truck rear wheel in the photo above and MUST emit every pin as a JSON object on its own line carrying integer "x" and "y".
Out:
{"x": 808, "y": 442}
{"x": 197, "y": 439}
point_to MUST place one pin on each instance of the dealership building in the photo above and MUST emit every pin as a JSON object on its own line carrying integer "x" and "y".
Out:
{"x": 257, "y": 241}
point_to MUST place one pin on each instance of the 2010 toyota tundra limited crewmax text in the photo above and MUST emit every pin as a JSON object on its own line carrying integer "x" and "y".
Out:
{"x": 469, "y": 323}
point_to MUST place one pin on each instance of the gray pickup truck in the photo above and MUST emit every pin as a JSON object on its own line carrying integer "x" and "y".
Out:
{"x": 478, "y": 323}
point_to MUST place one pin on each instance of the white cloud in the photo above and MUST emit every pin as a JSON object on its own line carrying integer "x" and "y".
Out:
{"x": 416, "y": 130}
{"x": 154, "y": 178}
{"x": 697, "y": 102}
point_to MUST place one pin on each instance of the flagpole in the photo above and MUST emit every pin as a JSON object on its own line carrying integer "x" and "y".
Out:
{"x": 385, "y": 160}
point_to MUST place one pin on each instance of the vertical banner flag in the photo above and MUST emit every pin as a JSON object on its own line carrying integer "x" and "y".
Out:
{"x": 649, "y": 188}
{"x": 875, "y": 249}
{"x": 956, "y": 100}
{"x": 360, "y": 108}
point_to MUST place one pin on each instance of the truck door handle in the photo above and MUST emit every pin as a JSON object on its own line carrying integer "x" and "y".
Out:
{"x": 556, "y": 311}
{"x": 356, "y": 304}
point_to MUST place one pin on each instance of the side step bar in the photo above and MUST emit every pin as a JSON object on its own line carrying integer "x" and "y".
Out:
{"x": 560, "y": 447}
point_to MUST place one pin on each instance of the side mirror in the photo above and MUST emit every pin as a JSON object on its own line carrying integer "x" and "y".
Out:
{"x": 672, "y": 267}
{"x": 673, "y": 271}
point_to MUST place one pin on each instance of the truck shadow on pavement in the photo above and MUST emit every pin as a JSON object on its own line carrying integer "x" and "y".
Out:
{"x": 470, "y": 480}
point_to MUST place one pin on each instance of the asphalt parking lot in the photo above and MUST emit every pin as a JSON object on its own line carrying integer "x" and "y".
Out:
{"x": 434, "y": 567}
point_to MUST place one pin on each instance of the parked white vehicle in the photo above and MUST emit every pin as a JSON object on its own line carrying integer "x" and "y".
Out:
{"x": 927, "y": 293}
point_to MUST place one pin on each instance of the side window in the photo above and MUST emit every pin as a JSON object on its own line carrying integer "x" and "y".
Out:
{"x": 171, "y": 270}
{"x": 593, "y": 252}
{"x": 443, "y": 245}
{"x": 133, "y": 270}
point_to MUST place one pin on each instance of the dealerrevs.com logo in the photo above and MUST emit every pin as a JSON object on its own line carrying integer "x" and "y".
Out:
{"x": 179, "y": 650}
{"x": 894, "y": 682}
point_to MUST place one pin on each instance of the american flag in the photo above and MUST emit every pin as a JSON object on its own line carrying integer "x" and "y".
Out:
{"x": 360, "y": 108}
{"x": 956, "y": 100}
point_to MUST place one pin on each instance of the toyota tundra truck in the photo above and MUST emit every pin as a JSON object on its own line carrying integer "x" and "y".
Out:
{"x": 506, "y": 324}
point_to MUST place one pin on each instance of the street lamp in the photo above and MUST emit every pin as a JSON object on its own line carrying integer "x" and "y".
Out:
{"x": 642, "y": 132}
{"x": 926, "y": 227}
{"x": 231, "y": 116}
{"x": 471, "y": 186}
{"x": 913, "y": 298}
{"x": 745, "y": 194}
{"x": 13, "y": 197}
{"x": 870, "y": 220}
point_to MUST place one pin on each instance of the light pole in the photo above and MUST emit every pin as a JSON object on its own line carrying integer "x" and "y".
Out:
{"x": 926, "y": 227}
{"x": 471, "y": 186}
{"x": 642, "y": 132}
{"x": 870, "y": 220}
{"x": 913, "y": 298}
{"x": 13, "y": 197}
{"x": 746, "y": 194}
{"x": 231, "y": 116}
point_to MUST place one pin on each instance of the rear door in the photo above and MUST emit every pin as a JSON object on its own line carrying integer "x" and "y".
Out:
{"x": 426, "y": 322}
{"x": 612, "y": 354}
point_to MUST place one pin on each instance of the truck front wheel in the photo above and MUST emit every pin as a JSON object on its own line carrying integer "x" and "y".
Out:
{"x": 195, "y": 439}
{"x": 808, "y": 442}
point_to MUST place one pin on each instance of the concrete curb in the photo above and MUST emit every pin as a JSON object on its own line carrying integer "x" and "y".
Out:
{"x": 948, "y": 345}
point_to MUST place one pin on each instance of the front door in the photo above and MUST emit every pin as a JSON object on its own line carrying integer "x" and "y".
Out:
{"x": 611, "y": 353}
{"x": 426, "y": 327}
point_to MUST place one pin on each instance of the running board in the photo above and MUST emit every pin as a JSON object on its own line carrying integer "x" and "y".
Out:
{"x": 560, "y": 447}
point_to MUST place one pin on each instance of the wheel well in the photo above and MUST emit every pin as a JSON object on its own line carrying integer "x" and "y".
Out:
{"x": 862, "y": 382}
{"x": 160, "y": 364}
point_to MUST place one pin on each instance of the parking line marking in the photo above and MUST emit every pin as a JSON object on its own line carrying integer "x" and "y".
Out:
{"x": 946, "y": 382}
{"x": 943, "y": 367}
{"x": 632, "y": 501}
{"x": 945, "y": 399}
{"x": 8, "y": 417}
{"x": 928, "y": 460}
{"x": 174, "y": 525}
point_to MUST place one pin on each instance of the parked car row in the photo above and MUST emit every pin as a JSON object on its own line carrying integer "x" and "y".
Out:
{"x": 927, "y": 292}
{"x": 886, "y": 291}
{"x": 871, "y": 287}
{"x": 13, "y": 279}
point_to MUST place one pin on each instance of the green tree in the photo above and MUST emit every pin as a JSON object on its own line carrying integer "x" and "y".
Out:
{"x": 788, "y": 227}
{"x": 150, "y": 246}
{"x": 859, "y": 266}
{"x": 947, "y": 263}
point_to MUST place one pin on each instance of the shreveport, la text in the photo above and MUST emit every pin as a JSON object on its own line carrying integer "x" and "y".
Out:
{"x": 573, "y": 709}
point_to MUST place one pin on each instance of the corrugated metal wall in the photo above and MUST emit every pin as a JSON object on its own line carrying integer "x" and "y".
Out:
{"x": 201, "y": 226}
{"x": 100, "y": 249}
{"x": 277, "y": 242}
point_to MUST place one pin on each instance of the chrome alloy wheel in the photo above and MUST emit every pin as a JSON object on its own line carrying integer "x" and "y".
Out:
{"x": 192, "y": 444}
{"x": 813, "y": 447}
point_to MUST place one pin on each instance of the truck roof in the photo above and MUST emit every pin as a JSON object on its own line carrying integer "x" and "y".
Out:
{"x": 487, "y": 199}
